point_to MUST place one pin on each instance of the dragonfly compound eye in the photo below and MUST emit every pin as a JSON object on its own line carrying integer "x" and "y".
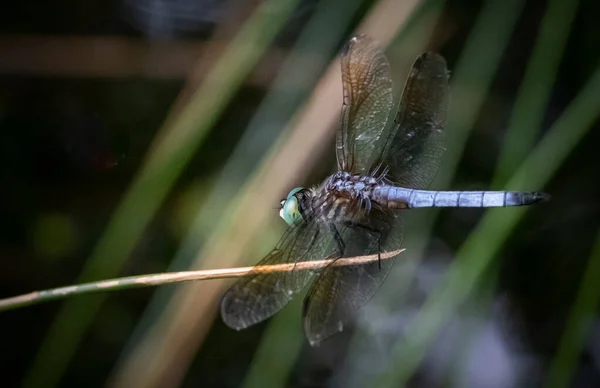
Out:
{"x": 289, "y": 207}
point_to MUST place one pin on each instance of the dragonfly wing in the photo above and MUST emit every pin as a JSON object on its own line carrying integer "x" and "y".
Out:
{"x": 341, "y": 290}
{"x": 415, "y": 144}
{"x": 368, "y": 99}
{"x": 258, "y": 296}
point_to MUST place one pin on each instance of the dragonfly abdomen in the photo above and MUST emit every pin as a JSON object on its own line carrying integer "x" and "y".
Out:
{"x": 402, "y": 198}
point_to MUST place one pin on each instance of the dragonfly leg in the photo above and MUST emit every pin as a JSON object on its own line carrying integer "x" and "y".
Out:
{"x": 339, "y": 242}
{"x": 373, "y": 231}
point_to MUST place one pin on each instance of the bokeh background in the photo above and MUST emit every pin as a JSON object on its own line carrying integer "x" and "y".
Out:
{"x": 141, "y": 136}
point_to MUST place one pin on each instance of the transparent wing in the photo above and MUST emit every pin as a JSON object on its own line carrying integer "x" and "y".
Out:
{"x": 415, "y": 143}
{"x": 368, "y": 99}
{"x": 413, "y": 149}
{"x": 258, "y": 296}
{"x": 339, "y": 291}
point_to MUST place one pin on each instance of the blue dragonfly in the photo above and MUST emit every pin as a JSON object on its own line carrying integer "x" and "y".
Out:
{"x": 382, "y": 171}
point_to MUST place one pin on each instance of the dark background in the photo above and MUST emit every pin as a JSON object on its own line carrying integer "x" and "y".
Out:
{"x": 70, "y": 145}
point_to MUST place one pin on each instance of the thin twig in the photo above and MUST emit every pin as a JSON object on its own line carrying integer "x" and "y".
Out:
{"x": 176, "y": 277}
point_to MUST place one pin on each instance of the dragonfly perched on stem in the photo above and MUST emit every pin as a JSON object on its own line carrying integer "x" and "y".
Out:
{"x": 382, "y": 170}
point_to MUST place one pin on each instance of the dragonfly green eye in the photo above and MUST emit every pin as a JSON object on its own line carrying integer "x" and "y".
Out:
{"x": 290, "y": 211}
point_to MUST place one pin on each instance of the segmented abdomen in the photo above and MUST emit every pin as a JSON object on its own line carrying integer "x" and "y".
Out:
{"x": 401, "y": 198}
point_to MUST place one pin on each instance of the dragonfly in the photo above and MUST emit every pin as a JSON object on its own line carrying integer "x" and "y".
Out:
{"x": 382, "y": 170}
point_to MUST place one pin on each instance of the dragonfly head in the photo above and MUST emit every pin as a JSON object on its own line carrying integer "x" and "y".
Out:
{"x": 290, "y": 209}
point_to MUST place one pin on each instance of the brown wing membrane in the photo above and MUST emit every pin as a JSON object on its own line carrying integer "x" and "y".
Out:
{"x": 258, "y": 296}
{"x": 368, "y": 100}
{"x": 415, "y": 144}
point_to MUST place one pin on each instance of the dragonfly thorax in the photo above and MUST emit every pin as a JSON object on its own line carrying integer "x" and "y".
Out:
{"x": 344, "y": 197}
{"x": 345, "y": 183}
{"x": 341, "y": 197}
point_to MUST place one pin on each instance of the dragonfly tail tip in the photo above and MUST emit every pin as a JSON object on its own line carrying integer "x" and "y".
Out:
{"x": 541, "y": 197}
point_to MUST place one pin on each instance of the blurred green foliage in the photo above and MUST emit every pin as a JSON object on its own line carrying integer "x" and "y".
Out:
{"x": 485, "y": 48}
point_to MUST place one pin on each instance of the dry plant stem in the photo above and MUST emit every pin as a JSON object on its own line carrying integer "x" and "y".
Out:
{"x": 176, "y": 277}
